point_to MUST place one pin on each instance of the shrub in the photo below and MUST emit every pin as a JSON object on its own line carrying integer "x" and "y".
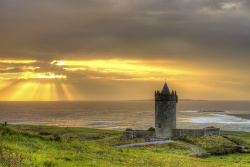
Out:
{"x": 45, "y": 133}
{"x": 57, "y": 138}
{"x": 210, "y": 127}
{"x": 151, "y": 129}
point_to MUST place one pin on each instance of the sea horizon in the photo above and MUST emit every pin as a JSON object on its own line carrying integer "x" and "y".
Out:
{"x": 113, "y": 100}
{"x": 122, "y": 114}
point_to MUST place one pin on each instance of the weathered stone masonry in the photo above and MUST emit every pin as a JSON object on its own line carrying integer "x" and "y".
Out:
{"x": 165, "y": 112}
{"x": 138, "y": 134}
{"x": 195, "y": 132}
{"x": 175, "y": 133}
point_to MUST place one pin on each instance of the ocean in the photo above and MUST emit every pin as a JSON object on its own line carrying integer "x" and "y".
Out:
{"x": 119, "y": 115}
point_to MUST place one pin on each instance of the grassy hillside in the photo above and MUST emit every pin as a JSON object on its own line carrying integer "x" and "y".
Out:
{"x": 73, "y": 146}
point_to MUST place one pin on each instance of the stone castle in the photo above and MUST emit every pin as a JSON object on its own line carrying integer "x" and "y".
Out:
{"x": 165, "y": 120}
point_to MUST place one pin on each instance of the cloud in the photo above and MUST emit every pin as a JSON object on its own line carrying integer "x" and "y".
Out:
{"x": 207, "y": 36}
{"x": 47, "y": 30}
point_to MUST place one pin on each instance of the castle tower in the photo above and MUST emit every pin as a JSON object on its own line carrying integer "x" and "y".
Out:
{"x": 165, "y": 112}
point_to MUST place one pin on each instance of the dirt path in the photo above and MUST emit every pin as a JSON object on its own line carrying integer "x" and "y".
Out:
{"x": 145, "y": 143}
{"x": 196, "y": 149}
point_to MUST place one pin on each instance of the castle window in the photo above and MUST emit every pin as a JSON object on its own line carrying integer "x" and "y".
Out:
{"x": 166, "y": 117}
{"x": 159, "y": 125}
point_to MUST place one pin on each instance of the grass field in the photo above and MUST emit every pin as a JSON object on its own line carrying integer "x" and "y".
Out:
{"x": 73, "y": 146}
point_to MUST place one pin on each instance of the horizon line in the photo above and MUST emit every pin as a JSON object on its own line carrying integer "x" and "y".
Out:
{"x": 112, "y": 100}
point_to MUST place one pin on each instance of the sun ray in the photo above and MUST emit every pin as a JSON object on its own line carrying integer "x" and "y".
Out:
{"x": 20, "y": 90}
{"x": 60, "y": 92}
{"x": 54, "y": 94}
{"x": 67, "y": 92}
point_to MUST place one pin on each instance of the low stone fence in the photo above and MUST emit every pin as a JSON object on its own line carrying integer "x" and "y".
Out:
{"x": 130, "y": 134}
{"x": 138, "y": 134}
{"x": 195, "y": 132}
{"x": 212, "y": 131}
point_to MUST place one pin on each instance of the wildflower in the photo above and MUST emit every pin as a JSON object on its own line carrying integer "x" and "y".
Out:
{"x": 15, "y": 148}
{"x": 3, "y": 157}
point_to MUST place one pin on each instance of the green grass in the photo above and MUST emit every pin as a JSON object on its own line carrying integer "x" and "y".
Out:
{"x": 93, "y": 147}
{"x": 214, "y": 145}
{"x": 242, "y": 137}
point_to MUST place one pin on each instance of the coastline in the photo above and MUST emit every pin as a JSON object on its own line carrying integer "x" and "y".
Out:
{"x": 228, "y": 120}
{"x": 244, "y": 116}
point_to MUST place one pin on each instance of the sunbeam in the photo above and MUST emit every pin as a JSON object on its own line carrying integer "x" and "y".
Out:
{"x": 37, "y": 91}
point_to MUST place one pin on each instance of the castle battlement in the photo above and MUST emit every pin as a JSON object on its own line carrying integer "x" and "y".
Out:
{"x": 161, "y": 96}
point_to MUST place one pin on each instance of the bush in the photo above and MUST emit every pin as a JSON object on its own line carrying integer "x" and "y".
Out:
{"x": 57, "y": 138}
{"x": 45, "y": 133}
{"x": 151, "y": 129}
{"x": 210, "y": 127}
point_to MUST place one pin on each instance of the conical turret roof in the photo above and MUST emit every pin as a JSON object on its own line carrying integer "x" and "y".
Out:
{"x": 165, "y": 88}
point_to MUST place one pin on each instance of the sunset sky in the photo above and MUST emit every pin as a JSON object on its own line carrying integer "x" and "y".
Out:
{"x": 124, "y": 50}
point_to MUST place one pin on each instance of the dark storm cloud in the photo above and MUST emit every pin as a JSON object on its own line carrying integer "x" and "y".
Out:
{"x": 47, "y": 30}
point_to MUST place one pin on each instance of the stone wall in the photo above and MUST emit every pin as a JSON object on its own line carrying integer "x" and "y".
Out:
{"x": 188, "y": 132}
{"x": 138, "y": 134}
{"x": 212, "y": 131}
{"x": 130, "y": 134}
{"x": 195, "y": 132}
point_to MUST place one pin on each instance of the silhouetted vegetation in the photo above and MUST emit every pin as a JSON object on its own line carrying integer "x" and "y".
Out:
{"x": 151, "y": 129}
